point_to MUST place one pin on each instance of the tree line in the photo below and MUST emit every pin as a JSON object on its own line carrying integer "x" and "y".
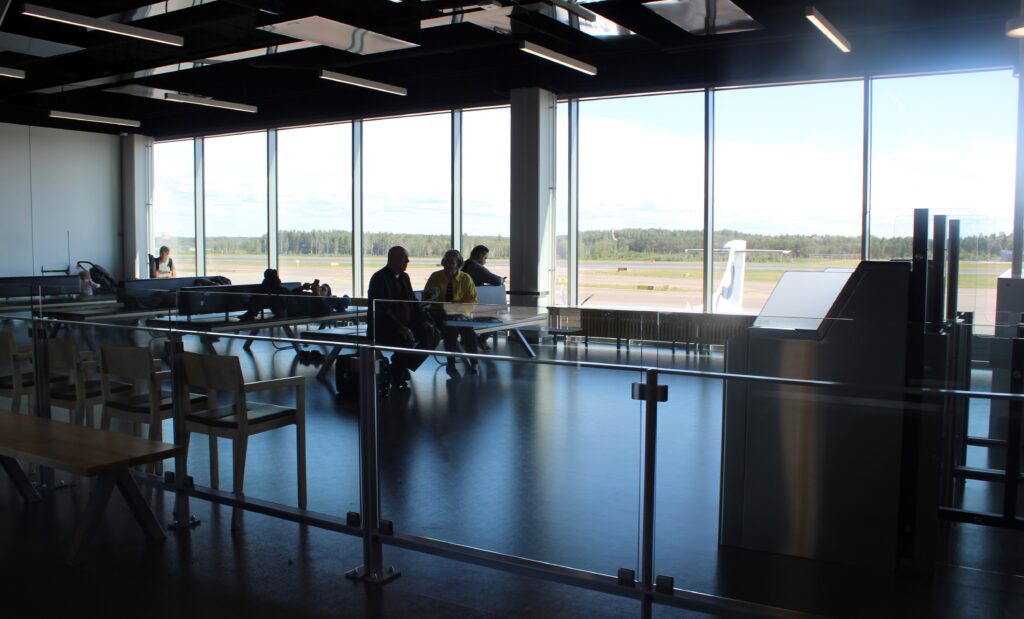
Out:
{"x": 626, "y": 244}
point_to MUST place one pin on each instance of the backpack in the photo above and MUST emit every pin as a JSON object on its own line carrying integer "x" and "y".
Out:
{"x": 98, "y": 274}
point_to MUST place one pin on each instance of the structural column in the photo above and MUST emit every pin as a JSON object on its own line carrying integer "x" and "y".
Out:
{"x": 532, "y": 196}
{"x": 136, "y": 204}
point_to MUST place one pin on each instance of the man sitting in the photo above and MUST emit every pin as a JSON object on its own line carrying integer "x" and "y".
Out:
{"x": 396, "y": 318}
{"x": 481, "y": 276}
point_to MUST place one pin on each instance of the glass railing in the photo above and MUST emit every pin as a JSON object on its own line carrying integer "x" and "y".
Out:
{"x": 677, "y": 459}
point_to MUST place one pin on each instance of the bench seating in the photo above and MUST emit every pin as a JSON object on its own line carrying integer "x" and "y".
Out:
{"x": 87, "y": 452}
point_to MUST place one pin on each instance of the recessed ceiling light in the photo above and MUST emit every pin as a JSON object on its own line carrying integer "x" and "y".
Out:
{"x": 828, "y": 29}
{"x": 113, "y": 27}
{"x": 362, "y": 82}
{"x": 553, "y": 56}
{"x": 210, "y": 102}
{"x": 92, "y": 118}
{"x": 9, "y": 72}
{"x": 1015, "y": 27}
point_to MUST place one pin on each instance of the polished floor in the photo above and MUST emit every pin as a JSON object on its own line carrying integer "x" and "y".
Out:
{"x": 533, "y": 460}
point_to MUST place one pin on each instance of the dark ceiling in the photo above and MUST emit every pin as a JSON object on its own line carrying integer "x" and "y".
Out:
{"x": 460, "y": 65}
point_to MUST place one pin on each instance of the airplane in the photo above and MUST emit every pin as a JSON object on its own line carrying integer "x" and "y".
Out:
{"x": 728, "y": 297}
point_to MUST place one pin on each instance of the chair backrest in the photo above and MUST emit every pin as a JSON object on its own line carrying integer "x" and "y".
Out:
{"x": 217, "y": 373}
{"x": 491, "y": 295}
{"x": 127, "y": 362}
{"x": 62, "y": 355}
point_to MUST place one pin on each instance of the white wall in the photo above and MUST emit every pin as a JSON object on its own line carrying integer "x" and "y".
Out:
{"x": 54, "y": 181}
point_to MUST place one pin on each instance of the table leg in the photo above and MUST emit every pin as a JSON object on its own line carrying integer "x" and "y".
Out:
{"x": 137, "y": 503}
{"x": 329, "y": 361}
{"x": 20, "y": 479}
{"x": 91, "y": 518}
{"x": 526, "y": 345}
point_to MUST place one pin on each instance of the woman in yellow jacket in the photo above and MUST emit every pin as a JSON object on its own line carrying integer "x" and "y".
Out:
{"x": 451, "y": 285}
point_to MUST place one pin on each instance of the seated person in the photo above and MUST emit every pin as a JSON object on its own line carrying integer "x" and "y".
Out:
{"x": 476, "y": 270}
{"x": 85, "y": 284}
{"x": 162, "y": 266}
{"x": 315, "y": 299}
{"x": 451, "y": 285}
{"x": 270, "y": 295}
{"x": 481, "y": 276}
{"x": 402, "y": 322}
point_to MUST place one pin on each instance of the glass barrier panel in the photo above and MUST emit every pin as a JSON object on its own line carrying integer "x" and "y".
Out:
{"x": 522, "y": 458}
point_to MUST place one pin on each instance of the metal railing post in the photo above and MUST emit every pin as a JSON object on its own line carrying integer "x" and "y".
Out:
{"x": 182, "y": 516}
{"x": 372, "y": 570}
{"x": 651, "y": 393}
{"x": 1013, "y": 438}
{"x": 41, "y": 376}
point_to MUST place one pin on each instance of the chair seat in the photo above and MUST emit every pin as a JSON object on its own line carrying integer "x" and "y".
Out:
{"x": 139, "y": 403}
{"x": 224, "y": 416}
{"x": 28, "y": 379}
{"x": 91, "y": 389}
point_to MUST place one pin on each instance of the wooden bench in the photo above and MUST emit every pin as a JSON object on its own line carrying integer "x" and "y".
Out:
{"x": 87, "y": 452}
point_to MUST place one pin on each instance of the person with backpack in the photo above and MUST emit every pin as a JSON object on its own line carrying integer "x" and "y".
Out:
{"x": 162, "y": 266}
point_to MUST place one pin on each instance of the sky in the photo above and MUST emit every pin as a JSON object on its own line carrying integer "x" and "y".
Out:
{"x": 787, "y": 160}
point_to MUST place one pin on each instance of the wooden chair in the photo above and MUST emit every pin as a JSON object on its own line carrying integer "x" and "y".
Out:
{"x": 131, "y": 364}
{"x": 241, "y": 418}
{"x": 18, "y": 383}
{"x": 74, "y": 389}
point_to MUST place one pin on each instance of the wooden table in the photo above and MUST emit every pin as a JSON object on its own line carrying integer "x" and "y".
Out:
{"x": 87, "y": 452}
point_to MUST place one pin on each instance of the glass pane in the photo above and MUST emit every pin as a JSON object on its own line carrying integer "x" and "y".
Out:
{"x": 486, "y": 153}
{"x": 407, "y": 192}
{"x": 788, "y": 186}
{"x": 174, "y": 208}
{"x": 314, "y": 203}
{"x": 641, "y": 201}
{"x": 946, "y": 142}
{"x": 236, "y": 206}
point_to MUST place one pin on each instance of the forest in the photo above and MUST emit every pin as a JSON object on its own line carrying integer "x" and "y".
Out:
{"x": 647, "y": 244}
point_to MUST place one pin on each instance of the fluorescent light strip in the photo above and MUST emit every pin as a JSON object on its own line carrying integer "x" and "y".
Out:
{"x": 17, "y": 74}
{"x": 352, "y": 80}
{"x": 828, "y": 29}
{"x": 90, "y": 118}
{"x": 553, "y": 56}
{"x": 73, "y": 19}
{"x": 208, "y": 102}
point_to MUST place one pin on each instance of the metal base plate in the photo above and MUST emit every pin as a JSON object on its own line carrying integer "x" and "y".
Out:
{"x": 375, "y": 578}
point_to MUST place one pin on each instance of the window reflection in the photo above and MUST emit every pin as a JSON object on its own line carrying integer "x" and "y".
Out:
{"x": 641, "y": 205}
{"x": 947, "y": 142}
{"x": 788, "y": 186}
{"x": 314, "y": 189}
{"x": 407, "y": 192}
{"x": 173, "y": 221}
{"x": 236, "y": 206}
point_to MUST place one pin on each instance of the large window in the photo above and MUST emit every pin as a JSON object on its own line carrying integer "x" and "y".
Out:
{"x": 173, "y": 222}
{"x": 788, "y": 186}
{"x": 486, "y": 168}
{"x": 641, "y": 204}
{"x": 407, "y": 192}
{"x": 947, "y": 143}
{"x": 560, "y": 287}
{"x": 314, "y": 202}
{"x": 236, "y": 206}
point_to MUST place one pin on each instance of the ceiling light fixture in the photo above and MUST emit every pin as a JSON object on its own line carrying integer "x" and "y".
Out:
{"x": 17, "y": 74}
{"x": 828, "y": 29}
{"x": 553, "y": 56}
{"x": 575, "y": 9}
{"x": 112, "y": 27}
{"x": 209, "y": 102}
{"x": 352, "y": 80}
{"x": 91, "y": 118}
{"x": 1015, "y": 27}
